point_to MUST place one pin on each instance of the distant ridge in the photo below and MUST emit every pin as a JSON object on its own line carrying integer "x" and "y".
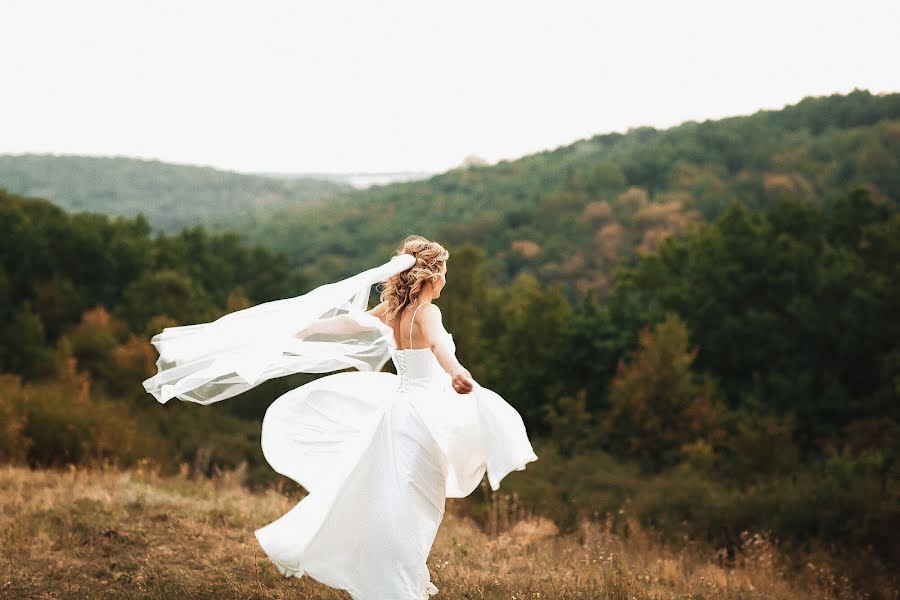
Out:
{"x": 359, "y": 180}
{"x": 170, "y": 196}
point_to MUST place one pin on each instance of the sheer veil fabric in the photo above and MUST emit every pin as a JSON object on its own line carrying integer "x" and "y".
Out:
{"x": 378, "y": 453}
{"x": 210, "y": 362}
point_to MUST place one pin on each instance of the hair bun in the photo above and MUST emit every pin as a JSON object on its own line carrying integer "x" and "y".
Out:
{"x": 404, "y": 287}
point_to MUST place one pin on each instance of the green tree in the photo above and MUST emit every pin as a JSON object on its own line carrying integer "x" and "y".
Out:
{"x": 658, "y": 405}
{"x": 164, "y": 293}
{"x": 534, "y": 320}
{"x": 463, "y": 302}
{"x": 593, "y": 344}
{"x": 791, "y": 305}
{"x": 604, "y": 179}
{"x": 570, "y": 423}
{"x": 24, "y": 349}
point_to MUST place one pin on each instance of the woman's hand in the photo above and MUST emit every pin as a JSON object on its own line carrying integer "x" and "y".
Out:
{"x": 462, "y": 381}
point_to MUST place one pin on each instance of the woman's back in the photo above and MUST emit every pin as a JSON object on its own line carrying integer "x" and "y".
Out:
{"x": 408, "y": 332}
{"x": 416, "y": 363}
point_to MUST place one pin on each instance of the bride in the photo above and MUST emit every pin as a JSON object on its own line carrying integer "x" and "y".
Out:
{"x": 378, "y": 453}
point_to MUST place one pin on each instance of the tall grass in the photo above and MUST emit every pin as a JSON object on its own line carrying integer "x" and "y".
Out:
{"x": 110, "y": 533}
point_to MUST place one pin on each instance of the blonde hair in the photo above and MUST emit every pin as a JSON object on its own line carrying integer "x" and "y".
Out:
{"x": 404, "y": 288}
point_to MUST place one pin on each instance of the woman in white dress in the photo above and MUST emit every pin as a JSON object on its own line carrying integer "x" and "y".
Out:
{"x": 378, "y": 453}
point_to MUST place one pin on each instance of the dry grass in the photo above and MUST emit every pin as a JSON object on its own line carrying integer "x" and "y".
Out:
{"x": 133, "y": 534}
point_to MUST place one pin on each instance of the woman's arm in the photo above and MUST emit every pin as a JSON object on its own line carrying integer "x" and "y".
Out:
{"x": 336, "y": 324}
{"x": 340, "y": 323}
{"x": 436, "y": 336}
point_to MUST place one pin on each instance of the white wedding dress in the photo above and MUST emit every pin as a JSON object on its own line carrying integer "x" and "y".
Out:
{"x": 378, "y": 454}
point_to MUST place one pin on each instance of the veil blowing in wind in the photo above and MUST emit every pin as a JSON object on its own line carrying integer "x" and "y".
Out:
{"x": 209, "y": 362}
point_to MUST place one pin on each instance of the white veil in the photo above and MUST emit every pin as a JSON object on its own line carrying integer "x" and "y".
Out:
{"x": 209, "y": 362}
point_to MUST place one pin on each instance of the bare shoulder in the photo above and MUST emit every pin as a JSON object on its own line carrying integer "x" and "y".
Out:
{"x": 433, "y": 312}
{"x": 432, "y": 325}
{"x": 429, "y": 317}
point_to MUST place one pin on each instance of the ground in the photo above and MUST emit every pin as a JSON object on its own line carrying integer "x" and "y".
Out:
{"x": 110, "y": 534}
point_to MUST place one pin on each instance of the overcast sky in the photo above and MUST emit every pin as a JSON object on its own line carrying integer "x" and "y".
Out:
{"x": 313, "y": 86}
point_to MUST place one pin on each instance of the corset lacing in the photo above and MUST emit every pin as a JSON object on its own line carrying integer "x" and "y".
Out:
{"x": 400, "y": 363}
{"x": 400, "y": 358}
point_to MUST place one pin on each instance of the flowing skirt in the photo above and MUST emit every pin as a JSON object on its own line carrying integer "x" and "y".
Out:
{"x": 378, "y": 464}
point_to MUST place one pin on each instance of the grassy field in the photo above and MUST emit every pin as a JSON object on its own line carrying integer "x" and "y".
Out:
{"x": 132, "y": 534}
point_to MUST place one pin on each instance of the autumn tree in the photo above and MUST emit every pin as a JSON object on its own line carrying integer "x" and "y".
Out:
{"x": 658, "y": 405}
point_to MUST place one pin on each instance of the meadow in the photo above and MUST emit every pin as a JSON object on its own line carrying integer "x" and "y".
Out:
{"x": 107, "y": 533}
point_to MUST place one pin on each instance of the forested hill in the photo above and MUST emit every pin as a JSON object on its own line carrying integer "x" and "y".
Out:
{"x": 741, "y": 375}
{"x": 170, "y": 196}
{"x": 568, "y": 215}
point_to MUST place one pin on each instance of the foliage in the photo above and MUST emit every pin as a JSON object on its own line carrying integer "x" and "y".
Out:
{"x": 568, "y": 215}
{"x": 837, "y": 499}
{"x": 530, "y": 324}
{"x": 658, "y": 405}
{"x": 571, "y": 424}
{"x": 794, "y": 306}
{"x": 24, "y": 345}
{"x": 60, "y": 422}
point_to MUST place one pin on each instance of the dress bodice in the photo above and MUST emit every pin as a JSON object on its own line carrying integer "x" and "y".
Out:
{"x": 418, "y": 367}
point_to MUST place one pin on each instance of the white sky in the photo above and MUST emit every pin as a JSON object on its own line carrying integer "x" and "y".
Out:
{"x": 304, "y": 86}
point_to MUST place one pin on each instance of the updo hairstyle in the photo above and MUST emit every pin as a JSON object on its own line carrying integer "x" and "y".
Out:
{"x": 404, "y": 288}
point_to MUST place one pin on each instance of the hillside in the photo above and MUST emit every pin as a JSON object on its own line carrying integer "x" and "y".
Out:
{"x": 133, "y": 534}
{"x": 569, "y": 215}
{"x": 739, "y": 375}
{"x": 170, "y": 196}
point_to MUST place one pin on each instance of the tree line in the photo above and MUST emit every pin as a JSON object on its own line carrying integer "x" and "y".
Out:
{"x": 744, "y": 351}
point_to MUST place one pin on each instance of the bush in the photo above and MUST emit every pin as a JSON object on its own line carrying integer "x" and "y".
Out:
{"x": 58, "y": 422}
{"x": 13, "y": 445}
{"x": 844, "y": 501}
